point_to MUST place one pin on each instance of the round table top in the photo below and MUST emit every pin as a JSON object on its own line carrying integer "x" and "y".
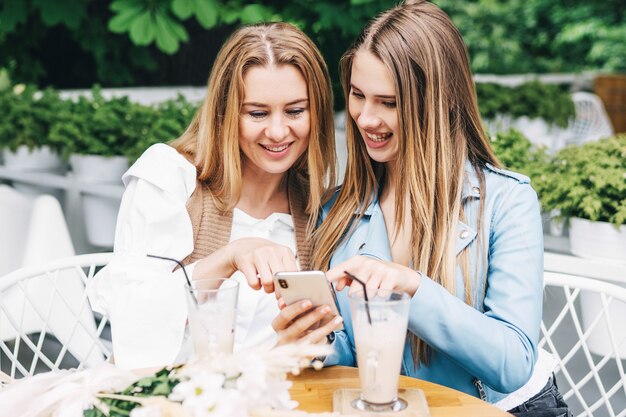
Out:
{"x": 314, "y": 391}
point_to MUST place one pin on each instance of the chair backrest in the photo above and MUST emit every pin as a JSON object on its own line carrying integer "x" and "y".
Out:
{"x": 39, "y": 302}
{"x": 591, "y": 121}
{"x": 584, "y": 327}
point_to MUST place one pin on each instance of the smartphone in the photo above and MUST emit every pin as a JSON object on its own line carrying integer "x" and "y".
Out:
{"x": 309, "y": 285}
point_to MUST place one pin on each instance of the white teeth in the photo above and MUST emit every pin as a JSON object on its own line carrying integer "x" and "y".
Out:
{"x": 379, "y": 138}
{"x": 275, "y": 148}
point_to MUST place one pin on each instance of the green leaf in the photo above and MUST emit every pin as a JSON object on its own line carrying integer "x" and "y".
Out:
{"x": 229, "y": 15}
{"x": 360, "y": 1}
{"x": 69, "y": 13}
{"x": 254, "y": 13}
{"x": 142, "y": 30}
{"x": 183, "y": 8}
{"x": 12, "y": 14}
{"x": 178, "y": 30}
{"x": 121, "y": 5}
{"x": 166, "y": 39}
{"x": 206, "y": 13}
{"x": 123, "y": 21}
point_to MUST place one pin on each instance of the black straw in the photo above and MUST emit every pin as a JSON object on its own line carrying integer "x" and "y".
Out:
{"x": 182, "y": 267}
{"x": 367, "y": 307}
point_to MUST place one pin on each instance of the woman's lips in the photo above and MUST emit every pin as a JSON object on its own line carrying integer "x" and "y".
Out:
{"x": 276, "y": 151}
{"x": 377, "y": 140}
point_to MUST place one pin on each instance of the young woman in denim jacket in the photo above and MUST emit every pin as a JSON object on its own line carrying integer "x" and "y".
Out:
{"x": 426, "y": 209}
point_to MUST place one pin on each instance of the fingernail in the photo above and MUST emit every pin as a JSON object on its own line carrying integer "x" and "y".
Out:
{"x": 325, "y": 309}
{"x": 338, "y": 319}
{"x": 306, "y": 304}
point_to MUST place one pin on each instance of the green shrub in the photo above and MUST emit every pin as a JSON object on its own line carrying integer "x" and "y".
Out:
{"x": 172, "y": 118}
{"x": 96, "y": 126}
{"x": 518, "y": 154}
{"x": 533, "y": 99}
{"x": 588, "y": 181}
{"x": 27, "y": 117}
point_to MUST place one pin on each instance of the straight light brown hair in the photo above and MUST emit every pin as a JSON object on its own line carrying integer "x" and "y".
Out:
{"x": 439, "y": 129}
{"x": 211, "y": 141}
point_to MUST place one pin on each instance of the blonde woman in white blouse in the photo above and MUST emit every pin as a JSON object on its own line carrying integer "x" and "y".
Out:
{"x": 235, "y": 196}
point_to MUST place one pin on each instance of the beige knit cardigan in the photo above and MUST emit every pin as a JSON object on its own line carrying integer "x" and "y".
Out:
{"x": 212, "y": 227}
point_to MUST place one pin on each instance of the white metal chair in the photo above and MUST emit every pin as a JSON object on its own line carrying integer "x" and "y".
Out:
{"x": 584, "y": 327}
{"x": 50, "y": 300}
{"x": 591, "y": 121}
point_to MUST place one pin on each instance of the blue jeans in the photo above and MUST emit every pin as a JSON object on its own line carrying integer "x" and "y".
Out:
{"x": 547, "y": 403}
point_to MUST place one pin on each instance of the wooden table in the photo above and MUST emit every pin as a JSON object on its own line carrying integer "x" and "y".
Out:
{"x": 314, "y": 391}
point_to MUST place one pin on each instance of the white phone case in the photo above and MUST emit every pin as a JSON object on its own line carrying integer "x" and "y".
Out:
{"x": 309, "y": 285}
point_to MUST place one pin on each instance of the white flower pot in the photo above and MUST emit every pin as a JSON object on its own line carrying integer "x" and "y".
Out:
{"x": 600, "y": 240}
{"x": 42, "y": 160}
{"x": 597, "y": 240}
{"x": 100, "y": 213}
{"x": 96, "y": 168}
{"x": 38, "y": 159}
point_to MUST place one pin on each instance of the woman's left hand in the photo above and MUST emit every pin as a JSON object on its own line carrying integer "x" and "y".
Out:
{"x": 298, "y": 322}
{"x": 376, "y": 274}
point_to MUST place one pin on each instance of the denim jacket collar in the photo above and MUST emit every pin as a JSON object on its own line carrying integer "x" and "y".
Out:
{"x": 471, "y": 184}
{"x": 380, "y": 248}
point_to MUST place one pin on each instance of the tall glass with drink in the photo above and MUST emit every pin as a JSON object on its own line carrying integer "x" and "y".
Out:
{"x": 380, "y": 326}
{"x": 212, "y": 305}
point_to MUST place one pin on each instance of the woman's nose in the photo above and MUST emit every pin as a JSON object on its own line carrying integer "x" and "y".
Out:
{"x": 368, "y": 119}
{"x": 277, "y": 130}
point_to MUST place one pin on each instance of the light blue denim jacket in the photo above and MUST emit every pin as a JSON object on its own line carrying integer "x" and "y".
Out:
{"x": 492, "y": 345}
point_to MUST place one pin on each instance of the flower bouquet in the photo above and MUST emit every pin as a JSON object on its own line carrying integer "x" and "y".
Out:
{"x": 246, "y": 383}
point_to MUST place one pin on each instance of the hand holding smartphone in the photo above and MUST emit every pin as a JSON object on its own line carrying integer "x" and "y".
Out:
{"x": 310, "y": 285}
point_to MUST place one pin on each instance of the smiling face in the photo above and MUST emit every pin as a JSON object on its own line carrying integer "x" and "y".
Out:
{"x": 372, "y": 104}
{"x": 275, "y": 122}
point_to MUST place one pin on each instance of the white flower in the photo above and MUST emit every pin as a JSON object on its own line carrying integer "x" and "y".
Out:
{"x": 225, "y": 386}
{"x": 18, "y": 89}
{"x": 146, "y": 411}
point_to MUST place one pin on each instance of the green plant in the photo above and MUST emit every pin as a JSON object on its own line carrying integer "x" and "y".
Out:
{"x": 533, "y": 99}
{"x": 100, "y": 127}
{"x": 126, "y": 42}
{"x": 588, "y": 181}
{"x": 110, "y": 127}
{"x": 518, "y": 154}
{"x": 27, "y": 116}
{"x": 170, "y": 120}
{"x": 160, "y": 384}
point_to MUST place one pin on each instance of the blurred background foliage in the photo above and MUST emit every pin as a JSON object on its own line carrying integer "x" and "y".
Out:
{"x": 77, "y": 43}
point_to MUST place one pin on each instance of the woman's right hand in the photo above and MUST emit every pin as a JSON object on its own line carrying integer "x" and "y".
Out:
{"x": 296, "y": 322}
{"x": 259, "y": 259}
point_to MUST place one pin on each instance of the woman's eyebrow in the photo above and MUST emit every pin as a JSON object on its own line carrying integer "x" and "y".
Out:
{"x": 291, "y": 103}
{"x": 383, "y": 96}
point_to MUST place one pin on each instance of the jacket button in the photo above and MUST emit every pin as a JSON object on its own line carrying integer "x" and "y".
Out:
{"x": 464, "y": 234}
{"x": 476, "y": 190}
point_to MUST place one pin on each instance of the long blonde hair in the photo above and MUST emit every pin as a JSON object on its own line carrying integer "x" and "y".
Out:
{"x": 211, "y": 140}
{"x": 439, "y": 129}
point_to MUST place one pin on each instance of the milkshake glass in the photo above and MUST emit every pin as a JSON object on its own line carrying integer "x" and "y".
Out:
{"x": 380, "y": 326}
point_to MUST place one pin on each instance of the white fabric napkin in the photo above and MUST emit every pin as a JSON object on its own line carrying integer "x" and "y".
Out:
{"x": 148, "y": 311}
{"x": 61, "y": 393}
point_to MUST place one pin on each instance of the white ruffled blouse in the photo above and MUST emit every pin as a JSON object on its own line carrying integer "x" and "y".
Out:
{"x": 144, "y": 300}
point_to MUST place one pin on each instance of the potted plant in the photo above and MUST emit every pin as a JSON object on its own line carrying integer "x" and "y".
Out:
{"x": 537, "y": 110}
{"x": 517, "y": 153}
{"x": 27, "y": 116}
{"x": 587, "y": 184}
